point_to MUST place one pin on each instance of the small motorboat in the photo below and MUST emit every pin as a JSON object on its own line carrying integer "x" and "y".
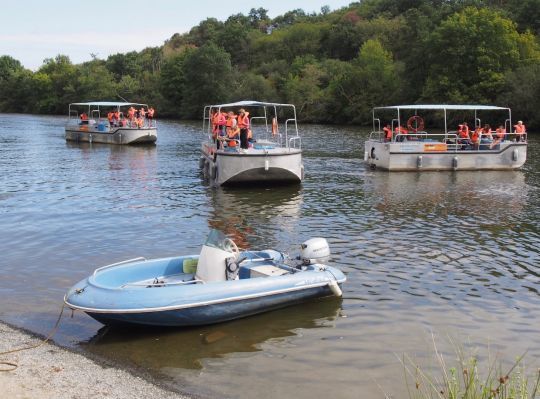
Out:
{"x": 222, "y": 283}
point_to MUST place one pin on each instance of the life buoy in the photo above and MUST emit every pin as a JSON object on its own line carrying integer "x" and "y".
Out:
{"x": 274, "y": 126}
{"x": 418, "y": 123}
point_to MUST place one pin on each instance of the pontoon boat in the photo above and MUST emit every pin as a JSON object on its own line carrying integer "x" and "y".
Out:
{"x": 92, "y": 125}
{"x": 397, "y": 145}
{"x": 271, "y": 154}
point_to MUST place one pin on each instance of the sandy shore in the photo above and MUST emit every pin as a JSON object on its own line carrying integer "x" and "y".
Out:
{"x": 53, "y": 372}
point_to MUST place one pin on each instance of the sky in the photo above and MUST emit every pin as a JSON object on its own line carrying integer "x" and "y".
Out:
{"x": 32, "y": 30}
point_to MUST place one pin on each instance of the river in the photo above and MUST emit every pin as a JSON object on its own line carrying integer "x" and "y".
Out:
{"x": 453, "y": 255}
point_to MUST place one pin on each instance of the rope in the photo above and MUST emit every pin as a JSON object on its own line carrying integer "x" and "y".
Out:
{"x": 11, "y": 366}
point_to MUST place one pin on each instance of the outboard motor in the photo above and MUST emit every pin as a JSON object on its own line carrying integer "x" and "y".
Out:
{"x": 315, "y": 250}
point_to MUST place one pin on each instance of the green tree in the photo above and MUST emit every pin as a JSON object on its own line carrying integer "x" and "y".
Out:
{"x": 468, "y": 54}
{"x": 208, "y": 79}
{"x": 172, "y": 82}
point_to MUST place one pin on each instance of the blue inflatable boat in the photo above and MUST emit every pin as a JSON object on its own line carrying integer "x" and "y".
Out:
{"x": 220, "y": 284}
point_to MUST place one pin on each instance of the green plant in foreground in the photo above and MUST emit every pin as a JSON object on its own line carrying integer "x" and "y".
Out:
{"x": 464, "y": 381}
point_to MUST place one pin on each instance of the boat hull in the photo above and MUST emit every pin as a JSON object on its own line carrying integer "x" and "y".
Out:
{"x": 210, "y": 314}
{"x": 410, "y": 156}
{"x": 277, "y": 166}
{"x": 116, "y": 136}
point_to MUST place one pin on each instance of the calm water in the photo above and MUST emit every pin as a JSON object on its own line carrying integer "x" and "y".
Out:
{"x": 450, "y": 253}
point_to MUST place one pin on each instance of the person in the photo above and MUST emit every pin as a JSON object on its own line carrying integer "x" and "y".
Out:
{"x": 243, "y": 125}
{"x": 131, "y": 113}
{"x": 214, "y": 121}
{"x": 233, "y": 134}
{"x": 520, "y": 131}
{"x": 110, "y": 117}
{"x": 402, "y": 132}
{"x": 150, "y": 115}
{"x": 84, "y": 119}
{"x": 463, "y": 135}
{"x": 387, "y": 133}
{"x": 142, "y": 112}
{"x": 475, "y": 137}
{"x": 486, "y": 132}
{"x": 500, "y": 132}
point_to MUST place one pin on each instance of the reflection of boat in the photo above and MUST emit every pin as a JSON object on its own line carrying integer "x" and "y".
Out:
{"x": 230, "y": 157}
{"x": 243, "y": 214}
{"x": 188, "y": 348}
{"x": 218, "y": 285}
{"x": 397, "y": 148}
{"x": 93, "y": 127}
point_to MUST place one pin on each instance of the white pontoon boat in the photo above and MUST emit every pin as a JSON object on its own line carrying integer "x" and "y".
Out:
{"x": 92, "y": 124}
{"x": 270, "y": 153}
{"x": 396, "y": 145}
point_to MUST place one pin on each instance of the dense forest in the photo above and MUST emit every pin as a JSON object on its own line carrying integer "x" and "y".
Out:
{"x": 333, "y": 65}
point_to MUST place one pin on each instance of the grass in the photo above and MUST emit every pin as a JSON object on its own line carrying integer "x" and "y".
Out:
{"x": 466, "y": 380}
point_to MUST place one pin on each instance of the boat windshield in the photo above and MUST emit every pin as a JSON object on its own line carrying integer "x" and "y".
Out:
{"x": 217, "y": 239}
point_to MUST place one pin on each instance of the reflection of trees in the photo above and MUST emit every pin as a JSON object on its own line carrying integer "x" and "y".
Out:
{"x": 187, "y": 348}
{"x": 243, "y": 214}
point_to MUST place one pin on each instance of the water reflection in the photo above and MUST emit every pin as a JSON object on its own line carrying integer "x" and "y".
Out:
{"x": 253, "y": 217}
{"x": 188, "y": 348}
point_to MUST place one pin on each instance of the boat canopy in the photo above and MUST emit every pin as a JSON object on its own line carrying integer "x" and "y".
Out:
{"x": 445, "y": 107}
{"x": 249, "y": 103}
{"x": 107, "y": 104}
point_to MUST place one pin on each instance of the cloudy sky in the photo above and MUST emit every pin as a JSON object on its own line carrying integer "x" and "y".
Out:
{"x": 32, "y": 30}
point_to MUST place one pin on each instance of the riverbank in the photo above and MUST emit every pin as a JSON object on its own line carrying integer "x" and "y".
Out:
{"x": 53, "y": 372}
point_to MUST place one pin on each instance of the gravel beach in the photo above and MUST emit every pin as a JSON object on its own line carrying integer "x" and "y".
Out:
{"x": 53, "y": 372}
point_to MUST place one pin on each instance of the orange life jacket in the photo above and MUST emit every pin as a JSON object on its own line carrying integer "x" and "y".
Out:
{"x": 84, "y": 117}
{"x": 151, "y": 112}
{"x": 463, "y": 131}
{"x": 475, "y": 137}
{"x": 232, "y": 134}
{"x": 387, "y": 133}
{"x": 487, "y": 133}
{"x": 500, "y": 132}
{"x": 519, "y": 129}
{"x": 230, "y": 121}
{"x": 110, "y": 116}
{"x": 243, "y": 120}
{"x": 401, "y": 130}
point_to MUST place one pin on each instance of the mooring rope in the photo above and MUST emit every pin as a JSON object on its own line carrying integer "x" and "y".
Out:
{"x": 11, "y": 366}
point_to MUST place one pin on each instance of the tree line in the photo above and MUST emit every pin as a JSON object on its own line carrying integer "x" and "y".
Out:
{"x": 333, "y": 65}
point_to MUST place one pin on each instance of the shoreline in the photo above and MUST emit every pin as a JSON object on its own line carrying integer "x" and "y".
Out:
{"x": 52, "y": 371}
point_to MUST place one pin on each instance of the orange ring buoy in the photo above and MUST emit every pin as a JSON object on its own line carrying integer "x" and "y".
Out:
{"x": 418, "y": 121}
{"x": 274, "y": 126}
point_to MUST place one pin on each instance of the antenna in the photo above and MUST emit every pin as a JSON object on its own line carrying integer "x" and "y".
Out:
{"x": 122, "y": 98}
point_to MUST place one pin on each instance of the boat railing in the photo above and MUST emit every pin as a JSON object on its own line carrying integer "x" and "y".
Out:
{"x": 292, "y": 120}
{"x": 293, "y": 142}
{"x": 376, "y": 135}
{"x": 100, "y": 269}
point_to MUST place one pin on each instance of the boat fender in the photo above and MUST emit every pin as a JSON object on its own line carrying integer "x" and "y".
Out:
{"x": 266, "y": 164}
{"x": 334, "y": 287}
{"x": 419, "y": 161}
{"x": 231, "y": 268}
{"x": 515, "y": 154}
{"x": 201, "y": 162}
{"x": 373, "y": 153}
{"x": 455, "y": 162}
